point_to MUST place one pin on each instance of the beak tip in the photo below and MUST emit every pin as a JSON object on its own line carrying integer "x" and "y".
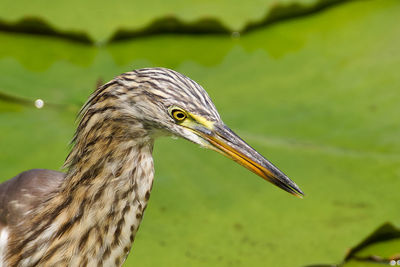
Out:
{"x": 299, "y": 194}
{"x": 285, "y": 183}
{"x": 296, "y": 191}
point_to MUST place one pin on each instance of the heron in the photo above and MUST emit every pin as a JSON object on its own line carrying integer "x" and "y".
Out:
{"x": 89, "y": 214}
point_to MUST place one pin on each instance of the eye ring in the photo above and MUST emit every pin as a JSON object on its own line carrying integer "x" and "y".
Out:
{"x": 178, "y": 114}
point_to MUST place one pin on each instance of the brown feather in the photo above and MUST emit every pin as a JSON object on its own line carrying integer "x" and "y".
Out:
{"x": 25, "y": 191}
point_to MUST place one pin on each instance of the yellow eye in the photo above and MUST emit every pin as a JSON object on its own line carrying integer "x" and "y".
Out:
{"x": 178, "y": 115}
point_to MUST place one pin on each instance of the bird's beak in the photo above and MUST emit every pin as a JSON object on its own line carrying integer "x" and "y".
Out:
{"x": 225, "y": 141}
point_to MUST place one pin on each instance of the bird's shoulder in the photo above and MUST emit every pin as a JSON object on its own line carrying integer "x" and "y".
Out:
{"x": 25, "y": 191}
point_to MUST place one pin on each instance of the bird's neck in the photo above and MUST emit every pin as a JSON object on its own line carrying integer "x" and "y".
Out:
{"x": 94, "y": 217}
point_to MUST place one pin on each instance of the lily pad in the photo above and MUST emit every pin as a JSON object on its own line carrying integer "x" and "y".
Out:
{"x": 316, "y": 95}
{"x": 381, "y": 247}
{"x": 99, "y": 21}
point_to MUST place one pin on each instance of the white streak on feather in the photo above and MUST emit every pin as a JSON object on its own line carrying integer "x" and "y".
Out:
{"x": 3, "y": 245}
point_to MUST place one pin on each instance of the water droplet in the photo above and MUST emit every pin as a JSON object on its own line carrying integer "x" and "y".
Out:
{"x": 235, "y": 35}
{"x": 392, "y": 262}
{"x": 39, "y": 103}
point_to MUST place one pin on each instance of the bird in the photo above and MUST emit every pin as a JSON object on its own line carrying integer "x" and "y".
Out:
{"x": 89, "y": 214}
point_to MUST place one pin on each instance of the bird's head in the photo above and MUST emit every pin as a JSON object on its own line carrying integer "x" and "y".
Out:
{"x": 167, "y": 102}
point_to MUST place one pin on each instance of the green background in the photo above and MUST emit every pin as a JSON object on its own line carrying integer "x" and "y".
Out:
{"x": 317, "y": 94}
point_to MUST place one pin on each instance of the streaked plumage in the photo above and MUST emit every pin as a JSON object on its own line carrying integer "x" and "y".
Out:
{"x": 89, "y": 215}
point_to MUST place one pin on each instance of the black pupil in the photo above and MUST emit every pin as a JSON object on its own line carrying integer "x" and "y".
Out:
{"x": 179, "y": 115}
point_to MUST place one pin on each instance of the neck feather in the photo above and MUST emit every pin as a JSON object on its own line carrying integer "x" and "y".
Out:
{"x": 93, "y": 218}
